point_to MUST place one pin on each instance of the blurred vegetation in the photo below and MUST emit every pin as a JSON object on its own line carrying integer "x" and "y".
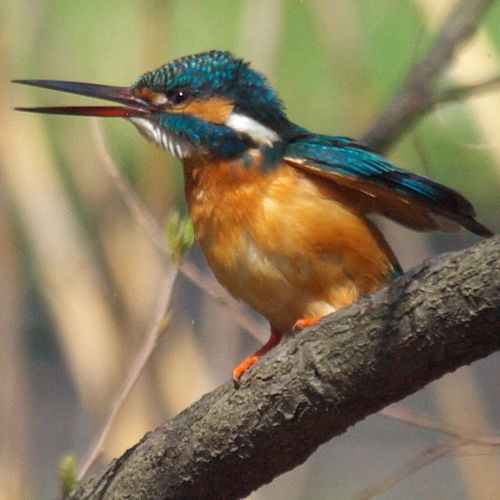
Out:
{"x": 79, "y": 277}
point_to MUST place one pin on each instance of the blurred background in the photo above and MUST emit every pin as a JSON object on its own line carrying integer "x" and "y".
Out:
{"x": 80, "y": 279}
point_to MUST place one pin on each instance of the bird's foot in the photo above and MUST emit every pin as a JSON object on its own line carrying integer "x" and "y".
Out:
{"x": 239, "y": 370}
{"x": 251, "y": 360}
{"x": 303, "y": 323}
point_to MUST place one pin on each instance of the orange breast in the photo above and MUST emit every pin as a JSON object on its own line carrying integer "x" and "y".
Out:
{"x": 282, "y": 242}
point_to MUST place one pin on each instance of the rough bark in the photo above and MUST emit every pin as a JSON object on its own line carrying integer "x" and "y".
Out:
{"x": 436, "y": 318}
{"x": 442, "y": 315}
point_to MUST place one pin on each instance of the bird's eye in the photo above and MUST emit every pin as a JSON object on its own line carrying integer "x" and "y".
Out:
{"x": 177, "y": 96}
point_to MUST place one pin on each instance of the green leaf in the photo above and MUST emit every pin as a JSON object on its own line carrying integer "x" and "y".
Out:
{"x": 180, "y": 236}
{"x": 67, "y": 474}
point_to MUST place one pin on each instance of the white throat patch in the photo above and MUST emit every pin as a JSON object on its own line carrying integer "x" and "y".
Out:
{"x": 260, "y": 134}
{"x": 153, "y": 132}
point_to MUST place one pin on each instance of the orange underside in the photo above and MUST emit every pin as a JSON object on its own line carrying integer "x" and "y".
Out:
{"x": 288, "y": 243}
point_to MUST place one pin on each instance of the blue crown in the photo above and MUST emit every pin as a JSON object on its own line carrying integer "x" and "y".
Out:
{"x": 219, "y": 73}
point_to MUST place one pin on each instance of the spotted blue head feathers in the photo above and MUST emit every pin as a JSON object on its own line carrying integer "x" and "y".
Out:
{"x": 215, "y": 105}
{"x": 219, "y": 74}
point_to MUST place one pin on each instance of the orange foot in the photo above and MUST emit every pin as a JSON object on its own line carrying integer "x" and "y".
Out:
{"x": 305, "y": 322}
{"x": 248, "y": 362}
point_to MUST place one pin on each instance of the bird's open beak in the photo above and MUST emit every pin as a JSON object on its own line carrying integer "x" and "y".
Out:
{"x": 133, "y": 105}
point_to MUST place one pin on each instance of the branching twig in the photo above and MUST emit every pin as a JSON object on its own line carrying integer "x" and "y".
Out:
{"x": 417, "y": 94}
{"x": 135, "y": 371}
{"x": 423, "y": 459}
{"x": 129, "y": 196}
{"x": 353, "y": 363}
{"x": 147, "y": 222}
{"x": 411, "y": 417}
{"x": 318, "y": 384}
{"x": 153, "y": 230}
{"x": 459, "y": 439}
{"x": 461, "y": 92}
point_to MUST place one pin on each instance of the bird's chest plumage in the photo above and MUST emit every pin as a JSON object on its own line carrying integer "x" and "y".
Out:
{"x": 224, "y": 200}
{"x": 278, "y": 241}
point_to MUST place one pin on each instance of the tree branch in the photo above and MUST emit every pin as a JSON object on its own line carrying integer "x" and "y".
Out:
{"x": 417, "y": 94}
{"x": 441, "y": 315}
{"x": 460, "y": 92}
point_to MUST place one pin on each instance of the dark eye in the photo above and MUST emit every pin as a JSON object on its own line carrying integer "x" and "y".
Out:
{"x": 177, "y": 96}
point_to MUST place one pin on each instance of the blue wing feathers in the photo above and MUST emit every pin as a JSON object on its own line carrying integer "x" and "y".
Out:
{"x": 341, "y": 155}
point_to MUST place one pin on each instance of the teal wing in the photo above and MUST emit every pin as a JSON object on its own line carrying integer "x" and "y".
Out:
{"x": 410, "y": 199}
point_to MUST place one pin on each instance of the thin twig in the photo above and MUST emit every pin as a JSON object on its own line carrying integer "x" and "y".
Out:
{"x": 136, "y": 369}
{"x": 133, "y": 202}
{"x": 411, "y": 417}
{"x": 407, "y": 106}
{"x": 460, "y": 92}
{"x": 485, "y": 452}
{"x": 319, "y": 383}
{"x": 153, "y": 230}
{"x": 417, "y": 419}
{"x": 417, "y": 94}
{"x": 147, "y": 222}
{"x": 426, "y": 457}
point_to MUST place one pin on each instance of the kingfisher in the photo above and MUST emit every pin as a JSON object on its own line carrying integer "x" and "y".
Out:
{"x": 281, "y": 213}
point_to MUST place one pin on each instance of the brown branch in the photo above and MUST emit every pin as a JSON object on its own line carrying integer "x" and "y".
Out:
{"x": 417, "y": 94}
{"x": 440, "y": 316}
{"x": 461, "y": 92}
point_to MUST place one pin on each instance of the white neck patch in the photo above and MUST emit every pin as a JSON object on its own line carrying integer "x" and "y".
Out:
{"x": 181, "y": 148}
{"x": 153, "y": 132}
{"x": 260, "y": 134}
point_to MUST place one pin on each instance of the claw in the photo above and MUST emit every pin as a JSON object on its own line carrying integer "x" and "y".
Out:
{"x": 301, "y": 324}
{"x": 239, "y": 370}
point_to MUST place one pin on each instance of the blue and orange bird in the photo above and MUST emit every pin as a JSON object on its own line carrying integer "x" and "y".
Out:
{"x": 280, "y": 213}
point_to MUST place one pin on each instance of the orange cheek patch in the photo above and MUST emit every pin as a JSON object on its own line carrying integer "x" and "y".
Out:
{"x": 214, "y": 109}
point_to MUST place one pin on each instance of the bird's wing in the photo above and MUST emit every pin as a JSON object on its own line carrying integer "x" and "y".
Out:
{"x": 372, "y": 184}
